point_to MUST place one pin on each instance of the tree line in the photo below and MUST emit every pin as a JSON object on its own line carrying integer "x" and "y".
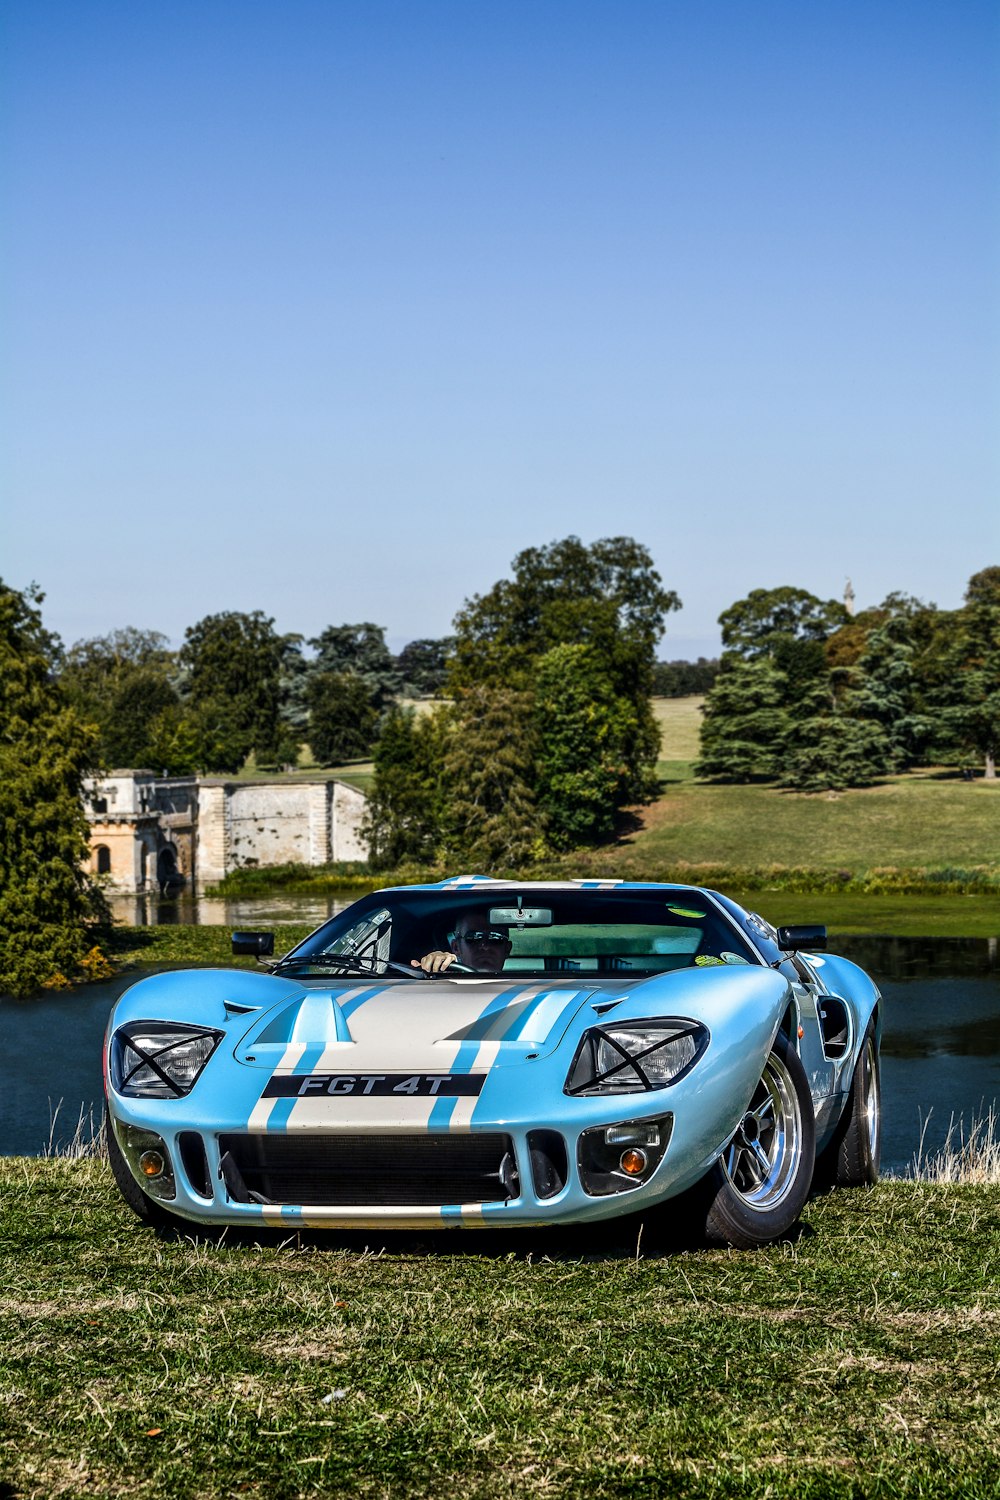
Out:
{"x": 237, "y": 687}
{"x": 815, "y": 698}
{"x": 543, "y": 733}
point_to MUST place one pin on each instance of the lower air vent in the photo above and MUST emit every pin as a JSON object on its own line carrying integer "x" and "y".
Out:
{"x": 195, "y": 1162}
{"x": 549, "y": 1163}
{"x": 377, "y": 1170}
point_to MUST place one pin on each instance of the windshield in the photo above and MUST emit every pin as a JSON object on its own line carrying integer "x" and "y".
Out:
{"x": 534, "y": 931}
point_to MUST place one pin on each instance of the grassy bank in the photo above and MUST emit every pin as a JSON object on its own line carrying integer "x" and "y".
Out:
{"x": 859, "y": 1361}
{"x": 133, "y": 946}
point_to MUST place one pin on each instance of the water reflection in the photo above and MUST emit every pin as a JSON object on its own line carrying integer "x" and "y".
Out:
{"x": 898, "y": 958}
{"x": 940, "y": 1044}
{"x": 189, "y": 910}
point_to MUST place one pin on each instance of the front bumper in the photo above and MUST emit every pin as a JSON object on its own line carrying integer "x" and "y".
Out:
{"x": 479, "y": 1177}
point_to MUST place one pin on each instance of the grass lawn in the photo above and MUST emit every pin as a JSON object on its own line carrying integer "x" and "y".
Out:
{"x": 923, "y": 819}
{"x": 914, "y": 820}
{"x": 860, "y": 1360}
{"x": 679, "y": 720}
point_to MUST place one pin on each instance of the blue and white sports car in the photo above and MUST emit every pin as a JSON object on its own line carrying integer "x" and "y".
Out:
{"x": 493, "y": 1053}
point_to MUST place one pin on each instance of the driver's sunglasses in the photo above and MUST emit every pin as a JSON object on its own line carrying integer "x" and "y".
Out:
{"x": 482, "y": 935}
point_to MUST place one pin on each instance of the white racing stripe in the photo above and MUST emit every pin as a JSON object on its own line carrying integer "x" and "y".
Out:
{"x": 261, "y": 1112}
{"x": 356, "y": 1114}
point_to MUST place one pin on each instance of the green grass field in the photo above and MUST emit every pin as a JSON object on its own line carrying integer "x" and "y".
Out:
{"x": 858, "y": 1361}
{"x": 923, "y": 819}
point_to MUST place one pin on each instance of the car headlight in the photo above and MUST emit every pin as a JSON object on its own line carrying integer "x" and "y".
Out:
{"x": 159, "y": 1059}
{"x": 635, "y": 1058}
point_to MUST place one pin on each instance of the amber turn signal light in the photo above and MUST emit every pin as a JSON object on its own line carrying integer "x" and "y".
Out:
{"x": 634, "y": 1162}
{"x": 151, "y": 1164}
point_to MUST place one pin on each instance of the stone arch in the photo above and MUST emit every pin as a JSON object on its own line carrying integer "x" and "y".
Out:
{"x": 168, "y": 875}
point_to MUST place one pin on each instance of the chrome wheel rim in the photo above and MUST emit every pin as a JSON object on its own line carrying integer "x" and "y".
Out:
{"x": 872, "y": 1101}
{"x": 762, "y": 1159}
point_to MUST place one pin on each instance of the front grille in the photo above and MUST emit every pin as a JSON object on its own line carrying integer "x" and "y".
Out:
{"x": 377, "y": 1170}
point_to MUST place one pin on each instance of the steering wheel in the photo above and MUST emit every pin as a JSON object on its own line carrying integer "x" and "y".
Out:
{"x": 412, "y": 972}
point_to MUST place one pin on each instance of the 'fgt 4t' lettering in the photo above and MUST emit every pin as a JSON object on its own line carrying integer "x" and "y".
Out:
{"x": 326, "y": 1085}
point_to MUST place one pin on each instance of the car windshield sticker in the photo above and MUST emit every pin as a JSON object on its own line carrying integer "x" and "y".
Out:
{"x": 428, "y": 1085}
{"x": 704, "y": 959}
{"x": 734, "y": 958}
{"x": 685, "y": 911}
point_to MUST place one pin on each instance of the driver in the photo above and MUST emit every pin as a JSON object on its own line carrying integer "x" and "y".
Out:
{"x": 476, "y": 943}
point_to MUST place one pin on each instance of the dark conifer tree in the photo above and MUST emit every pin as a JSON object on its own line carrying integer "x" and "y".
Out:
{"x": 51, "y": 916}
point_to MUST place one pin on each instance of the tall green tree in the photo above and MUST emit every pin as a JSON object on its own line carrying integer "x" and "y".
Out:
{"x": 885, "y": 693}
{"x": 752, "y": 625}
{"x": 584, "y": 735}
{"x": 122, "y": 682}
{"x": 607, "y": 597}
{"x": 746, "y": 722}
{"x": 492, "y": 817}
{"x": 422, "y": 667}
{"x": 50, "y": 914}
{"x": 233, "y": 666}
{"x": 405, "y": 818}
{"x": 342, "y": 721}
{"x": 831, "y": 751}
{"x": 360, "y": 649}
{"x": 773, "y": 678}
{"x": 983, "y": 589}
{"x": 967, "y": 691}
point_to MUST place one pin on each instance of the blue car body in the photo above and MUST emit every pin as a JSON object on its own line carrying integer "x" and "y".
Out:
{"x": 354, "y": 1100}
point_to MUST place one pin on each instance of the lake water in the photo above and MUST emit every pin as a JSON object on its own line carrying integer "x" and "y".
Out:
{"x": 940, "y": 1045}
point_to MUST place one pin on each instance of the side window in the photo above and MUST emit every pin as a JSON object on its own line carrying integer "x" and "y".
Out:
{"x": 369, "y": 938}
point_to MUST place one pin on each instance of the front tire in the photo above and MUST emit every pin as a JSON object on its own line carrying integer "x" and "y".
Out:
{"x": 758, "y": 1187}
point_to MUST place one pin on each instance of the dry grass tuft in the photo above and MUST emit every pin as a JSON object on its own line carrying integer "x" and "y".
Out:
{"x": 87, "y": 1139}
{"x": 967, "y": 1156}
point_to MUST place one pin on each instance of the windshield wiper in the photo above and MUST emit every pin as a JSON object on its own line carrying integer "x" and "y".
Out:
{"x": 346, "y": 964}
{"x": 340, "y": 961}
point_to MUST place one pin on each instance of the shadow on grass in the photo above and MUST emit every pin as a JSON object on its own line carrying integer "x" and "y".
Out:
{"x": 628, "y": 1238}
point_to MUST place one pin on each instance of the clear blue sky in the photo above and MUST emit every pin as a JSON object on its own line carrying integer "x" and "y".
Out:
{"x": 329, "y": 307}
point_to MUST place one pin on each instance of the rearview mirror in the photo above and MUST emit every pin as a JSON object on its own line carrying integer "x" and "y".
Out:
{"x": 791, "y": 939}
{"x": 253, "y": 944}
{"x": 520, "y": 916}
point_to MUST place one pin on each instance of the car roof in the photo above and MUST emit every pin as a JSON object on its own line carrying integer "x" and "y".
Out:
{"x": 475, "y": 882}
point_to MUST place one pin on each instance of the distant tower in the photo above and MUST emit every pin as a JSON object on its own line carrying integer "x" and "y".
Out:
{"x": 849, "y": 597}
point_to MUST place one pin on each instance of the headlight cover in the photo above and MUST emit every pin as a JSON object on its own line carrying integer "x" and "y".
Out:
{"x": 159, "y": 1059}
{"x": 636, "y": 1057}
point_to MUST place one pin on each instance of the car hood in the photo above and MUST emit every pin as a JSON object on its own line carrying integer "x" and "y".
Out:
{"x": 472, "y": 1024}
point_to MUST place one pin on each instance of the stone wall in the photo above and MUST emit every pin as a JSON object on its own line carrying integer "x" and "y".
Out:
{"x": 263, "y": 824}
{"x": 146, "y": 830}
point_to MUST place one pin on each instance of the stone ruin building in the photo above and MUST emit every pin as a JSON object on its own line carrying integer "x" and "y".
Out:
{"x": 150, "y": 832}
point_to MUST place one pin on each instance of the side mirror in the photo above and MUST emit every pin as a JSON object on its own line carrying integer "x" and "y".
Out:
{"x": 253, "y": 944}
{"x": 791, "y": 939}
